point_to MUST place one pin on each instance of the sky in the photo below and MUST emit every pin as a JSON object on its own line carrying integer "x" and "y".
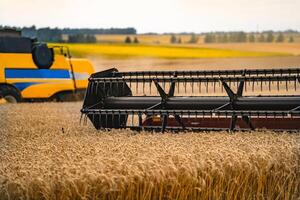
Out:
{"x": 155, "y": 15}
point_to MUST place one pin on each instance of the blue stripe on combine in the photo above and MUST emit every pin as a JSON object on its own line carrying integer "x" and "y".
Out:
{"x": 37, "y": 73}
{"x": 22, "y": 86}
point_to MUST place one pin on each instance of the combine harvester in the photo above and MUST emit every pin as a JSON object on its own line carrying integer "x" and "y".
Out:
{"x": 32, "y": 71}
{"x": 182, "y": 100}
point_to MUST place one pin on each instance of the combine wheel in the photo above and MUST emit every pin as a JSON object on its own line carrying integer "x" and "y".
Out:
{"x": 10, "y": 94}
{"x": 64, "y": 97}
{"x": 68, "y": 96}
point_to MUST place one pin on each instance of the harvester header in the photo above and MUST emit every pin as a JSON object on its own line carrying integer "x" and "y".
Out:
{"x": 194, "y": 100}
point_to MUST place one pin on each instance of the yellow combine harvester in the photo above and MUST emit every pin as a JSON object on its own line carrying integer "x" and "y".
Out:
{"x": 32, "y": 71}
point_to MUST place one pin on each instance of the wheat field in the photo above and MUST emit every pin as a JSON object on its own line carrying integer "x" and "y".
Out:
{"x": 46, "y": 154}
{"x": 159, "y": 46}
{"x": 113, "y": 51}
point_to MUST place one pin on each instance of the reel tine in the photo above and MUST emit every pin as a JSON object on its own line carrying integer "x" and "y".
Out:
{"x": 172, "y": 87}
{"x": 110, "y": 87}
{"x": 88, "y": 88}
{"x": 233, "y": 122}
{"x": 240, "y": 88}
{"x": 206, "y": 85}
{"x": 100, "y": 121}
{"x": 143, "y": 85}
{"x": 119, "y": 117}
{"x": 96, "y": 88}
{"x": 198, "y": 82}
{"x": 164, "y": 82}
{"x": 80, "y": 118}
{"x": 104, "y": 87}
{"x": 192, "y": 87}
{"x": 222, "y": 89}
{"x": 140, "y": 121}
{"x": 178, "y": 119}
{"x": 92, "y": 87}
{"x": 124, "y": 83}
{"x": 132, "y": 119}
{"x": 106, "y": 120}
{"x": 164, "y": 123}
{"x": 185, "y": 86}
{"x": 137, "y": 87}
{"x": 214, "y": 85}
{"x": 93, "y": 117}
{"x": 130, "y": 82}
{"x": 117, "y": 85}
{"x": 200, "y": 86}
{"x": 112, "y": 118}
{"x": 85, "y": 119}
{"x": 184, "y": 83}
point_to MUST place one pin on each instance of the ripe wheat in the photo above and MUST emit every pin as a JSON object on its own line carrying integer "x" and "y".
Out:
{"x": 46, "y": 154}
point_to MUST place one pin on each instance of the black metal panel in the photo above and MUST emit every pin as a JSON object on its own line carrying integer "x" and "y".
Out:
{"x": 15, "y": 45}
{"x": 94, "y": 98}
{"x": 204, "y": 103}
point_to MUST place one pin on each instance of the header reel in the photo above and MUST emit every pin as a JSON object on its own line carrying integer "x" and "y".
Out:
{"x": 194, "y": 100}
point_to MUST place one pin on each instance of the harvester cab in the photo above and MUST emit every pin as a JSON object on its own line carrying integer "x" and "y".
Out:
{"x": 34, "y": 71}
{"x": 194, "y": 100}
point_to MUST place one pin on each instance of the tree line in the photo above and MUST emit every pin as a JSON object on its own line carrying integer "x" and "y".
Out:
{"x": 74, "y": 34}
{"x": 177, "y": 40}
{"x": 237, "y": 37}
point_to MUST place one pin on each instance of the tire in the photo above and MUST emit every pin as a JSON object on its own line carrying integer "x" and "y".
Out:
{"x": 42, "y": 56}
{"x": 64, "y": 97}
{"x": 69, "y": 96}
{"x": 10, "y": 94}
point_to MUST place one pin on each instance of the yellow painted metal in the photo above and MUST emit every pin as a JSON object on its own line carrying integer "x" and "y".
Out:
{"x": 25, "y": 61}
{"x": 45, "y": 87}
{"x": 2, "y": 101}
{"x": 2, "y": 75}
{"x": 82, "y": 69}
